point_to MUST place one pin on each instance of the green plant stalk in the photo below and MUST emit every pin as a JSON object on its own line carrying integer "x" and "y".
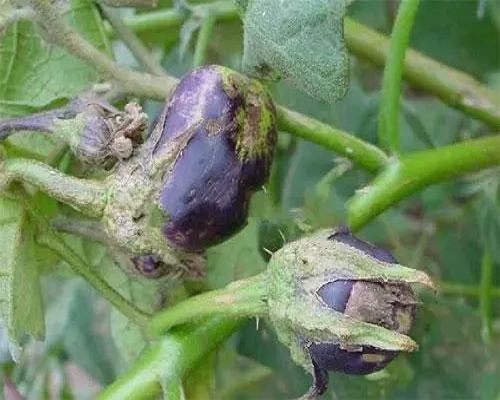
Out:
{"x": 169, "y": 359}
{"x": 485, "y": 304}
{"x": 465, "y": 290}
{"x": 154, "y": 20}
{"x": 456, "y": 88}
{"x": 130, "y": 3}
{"x": 403, "y": 177}
{"x": 200, "y": 52}
{"x": 140, "y": 52}
{"x": 243, "y": 298}
{"x": 89, "y": 197}
{"x": 362, "y": 153}
{"x": 388, "y": 117}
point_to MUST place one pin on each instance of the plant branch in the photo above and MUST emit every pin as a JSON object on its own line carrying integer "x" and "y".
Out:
{"x": 200, "y": 52}
{"x": 242, "y": 298}
{"x": 459, "y": 289}
{"x": 456, "y": 88}
{"x": 130, "y": 3}
{"x": 87, "y": 196}
{"x": 169, "y": 360}
{"x": 403, "y": 177}
{"x": 55, "y": 243}
{"x": 363, "y": 153}
{"x": 485, "y": 303}
{"x": 388, "y": 117}
{"x": 160, "y": 19}
{"x": 140, "y": 52}
{"x": 61, "y": 34}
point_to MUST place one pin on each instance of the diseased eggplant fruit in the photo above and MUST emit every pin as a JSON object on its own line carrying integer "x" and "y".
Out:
{"x": 341, "y": 304}
{"x": 189, "y": 186}
{"x": 229, "y": 125}
{"x": 390, "y": 305}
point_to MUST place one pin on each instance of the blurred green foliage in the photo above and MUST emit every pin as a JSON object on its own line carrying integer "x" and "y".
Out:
{"x": 444, "y": 230}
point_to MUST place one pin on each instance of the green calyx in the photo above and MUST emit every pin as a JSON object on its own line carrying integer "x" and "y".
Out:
{"x": 296, "y": 273}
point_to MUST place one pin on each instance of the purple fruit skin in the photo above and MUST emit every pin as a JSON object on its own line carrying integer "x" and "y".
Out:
{"x": 206, "y": 195}
{"x": 148, "y": 265}
{"x": 330, "y": 356}
{"x": 343, "y": 235}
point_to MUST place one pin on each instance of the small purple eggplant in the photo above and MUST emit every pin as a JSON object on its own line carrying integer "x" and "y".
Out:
{"x": 390, "y": 305}
{"x": 227, "y": 125}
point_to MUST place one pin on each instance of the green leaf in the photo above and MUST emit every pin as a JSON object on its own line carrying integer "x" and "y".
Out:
{"x": 21, "y": 303}
{"x": 147, "y": 294}
{"x": 299, "y": 40}
{"x": 453, "y": 362}
{"x": 77, "y": 321}
{"x": 465, "y": 41}
{"x": 35, "y": 73}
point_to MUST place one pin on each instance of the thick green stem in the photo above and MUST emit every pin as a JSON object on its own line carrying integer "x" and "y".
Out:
{"x": 388, "y": 117}
{"x": 88, "y": 229}
{"x": 457, "y": 89}
{"x": 363, "y": 153}
{"x": 200, "y": 52}
{"x": 242, "y": 298}
{"x": 154, "y": 20}
{"x": 130, "y": 3}
{"x": 459, "y": 289}
{"x": 403, "y": 177}
{"x": 87, "y": 196}
{"x": 169, "y": 360}
{"x": 485, "y": 303}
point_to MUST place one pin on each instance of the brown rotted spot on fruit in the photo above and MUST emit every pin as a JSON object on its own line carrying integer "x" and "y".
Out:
{"x": 213, "y": 127}
{"x": 374, "y": 303}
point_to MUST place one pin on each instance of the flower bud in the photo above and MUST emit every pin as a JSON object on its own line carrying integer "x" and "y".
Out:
{"x": 341, "y": 304}
{"x": 107, "y": 135}
{"x": 95, "y": 131}
{"x": 227, "y": 125}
